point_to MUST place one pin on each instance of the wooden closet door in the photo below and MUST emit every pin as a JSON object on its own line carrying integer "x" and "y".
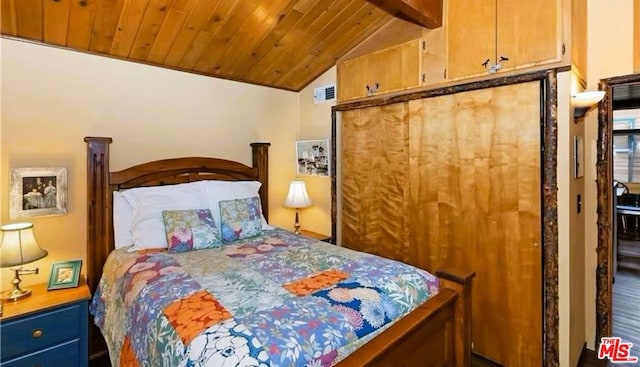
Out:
{"x": 374, "y": 180}
{"x": 475, "y": 203}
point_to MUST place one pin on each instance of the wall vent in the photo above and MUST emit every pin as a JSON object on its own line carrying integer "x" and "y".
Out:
{"x": 324, "y": 94}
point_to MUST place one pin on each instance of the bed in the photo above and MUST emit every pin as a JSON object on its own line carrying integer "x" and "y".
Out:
{"x": 433, "y": 332}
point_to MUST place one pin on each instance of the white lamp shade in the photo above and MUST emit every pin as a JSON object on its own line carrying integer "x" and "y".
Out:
{"x": 298, "y": 196}
{"x": 18, "y": 245}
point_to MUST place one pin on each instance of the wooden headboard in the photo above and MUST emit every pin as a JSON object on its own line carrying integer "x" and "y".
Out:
{"x": 101, "y": 183}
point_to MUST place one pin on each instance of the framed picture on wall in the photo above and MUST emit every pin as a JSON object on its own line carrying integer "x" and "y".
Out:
{"x": 312, "y": 157}
{"x": 38, "y": 192}
{"x": 578, "y": 156}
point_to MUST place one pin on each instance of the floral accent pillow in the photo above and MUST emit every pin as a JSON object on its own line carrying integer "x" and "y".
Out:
{"x": 189, "y": 230}
{"x": 240, "y": 218}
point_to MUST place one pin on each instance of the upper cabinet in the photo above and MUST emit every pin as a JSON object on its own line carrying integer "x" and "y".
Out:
{"x": 479, "y": 39}
{"x": 392, "y": 69}
{"x": 395, "y": 68}
{"x": 486, "y": 36}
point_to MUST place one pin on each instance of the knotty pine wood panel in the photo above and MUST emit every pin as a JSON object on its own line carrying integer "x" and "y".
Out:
{"x": 167, "y": 34}
{"x": 281, "y": 43}
{"x": 104, "y": 25}
{"x": 374, "y": 181}
{"x": 475, "y": 204}
{"x": 81, "y": 17}
{"x": 128, "y": 26}
{"x": 29, "y": 18}
{"x": 154, "y": 16}
{"x": 56, "y": 21}
{"x": 189, "y": 32}
{"x": 261, "y": 23}
{"x": 9, "y": 23}
{"x": 320, "y": 31}
{"x": 338, "y": 42}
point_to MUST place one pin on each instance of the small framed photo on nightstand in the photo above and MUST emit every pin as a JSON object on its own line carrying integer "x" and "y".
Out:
{"x": 65, "y": 274}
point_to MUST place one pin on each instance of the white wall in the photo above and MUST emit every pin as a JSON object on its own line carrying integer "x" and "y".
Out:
{"x": 53, "y": 98}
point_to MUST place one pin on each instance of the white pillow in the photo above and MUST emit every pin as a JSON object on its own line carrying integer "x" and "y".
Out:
{"x": 122, "y": 220}
{"x": 147, "y": 227}
{"x": 230, "y": 190}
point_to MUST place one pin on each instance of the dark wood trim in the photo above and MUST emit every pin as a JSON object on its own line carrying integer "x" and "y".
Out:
{"x": 427, "y": 13}
{"x": 551, "y": 347}
{"x": 604, "y": 179}
{"x": 551, "y": 333}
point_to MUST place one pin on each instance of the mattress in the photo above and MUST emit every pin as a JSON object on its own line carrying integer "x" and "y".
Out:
{"x": 278, "y": 299}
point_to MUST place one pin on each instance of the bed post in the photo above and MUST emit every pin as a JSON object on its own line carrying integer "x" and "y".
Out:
{"x": 99, "y": 235}
{"x": 260, "y": 153}
{"x": 461, "y": 283}
{"x": 97, "y": 198}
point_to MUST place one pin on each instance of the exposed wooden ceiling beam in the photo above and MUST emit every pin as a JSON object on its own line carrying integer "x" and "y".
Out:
{"x": 426, "y": 13}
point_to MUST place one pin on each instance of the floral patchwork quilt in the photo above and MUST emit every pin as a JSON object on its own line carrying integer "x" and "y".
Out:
{"x": 277, "y": 299}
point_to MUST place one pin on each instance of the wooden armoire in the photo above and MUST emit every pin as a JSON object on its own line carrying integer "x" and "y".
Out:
{"x": 454, "y": 180}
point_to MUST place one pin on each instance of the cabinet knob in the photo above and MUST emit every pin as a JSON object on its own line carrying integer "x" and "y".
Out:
{"x": 37, "y": 333}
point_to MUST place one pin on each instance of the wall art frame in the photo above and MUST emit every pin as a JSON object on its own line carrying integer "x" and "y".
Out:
{"x": 38, "y": 192}
{"x": 312, "y": 157}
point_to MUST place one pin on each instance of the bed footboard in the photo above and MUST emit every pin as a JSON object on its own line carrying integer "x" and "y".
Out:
{"x": 438, "y": 333}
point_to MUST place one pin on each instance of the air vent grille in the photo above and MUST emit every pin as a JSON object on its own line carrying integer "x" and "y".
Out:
{"x": 324, "y": 94}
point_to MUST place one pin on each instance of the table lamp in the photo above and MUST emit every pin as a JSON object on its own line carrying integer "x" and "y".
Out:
{"x": 297, "y": 198}
{"x": 19, "y": 247}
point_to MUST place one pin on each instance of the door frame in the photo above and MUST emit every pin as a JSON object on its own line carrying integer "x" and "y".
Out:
{"x": 549, "y": 183}
{"x": 604, "y": 180}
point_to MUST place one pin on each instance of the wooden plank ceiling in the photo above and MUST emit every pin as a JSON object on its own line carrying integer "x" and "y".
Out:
{"x": 280, "y": 43}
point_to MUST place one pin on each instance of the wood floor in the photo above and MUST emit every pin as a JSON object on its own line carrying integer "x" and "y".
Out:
{"x": 626, "y": 309}
{"x": 626, "y": 316}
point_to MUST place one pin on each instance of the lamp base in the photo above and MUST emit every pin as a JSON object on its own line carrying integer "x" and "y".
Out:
{"x": 15, "y": 294}
{"x": 296, "y": 224}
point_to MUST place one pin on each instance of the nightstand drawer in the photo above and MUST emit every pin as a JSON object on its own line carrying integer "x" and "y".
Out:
{"x": 64, "y": 355}
{"x": 31, "y": 333}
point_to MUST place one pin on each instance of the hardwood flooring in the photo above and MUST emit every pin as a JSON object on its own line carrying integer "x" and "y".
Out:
{"x": 626, "y": 309}
{"x": 626, "y": 317}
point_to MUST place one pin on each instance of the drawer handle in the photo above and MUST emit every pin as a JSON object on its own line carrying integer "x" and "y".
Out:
{"x": 37, "y": 333}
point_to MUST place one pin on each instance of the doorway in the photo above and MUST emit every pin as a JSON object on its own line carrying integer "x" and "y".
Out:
{"x": 618, "y": 251}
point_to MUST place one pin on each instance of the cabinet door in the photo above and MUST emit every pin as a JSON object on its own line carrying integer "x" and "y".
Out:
{"x": 475, "y": 204}
{"x": 529, "y": 32}
{"x": 471, "y": 37}
{"x": 374, "y": 187}
{"x": 398, "y": 68}
{"x": 392, "y": 69}
{"x": 434, "y": 56}
{"x": 353, "y": 77}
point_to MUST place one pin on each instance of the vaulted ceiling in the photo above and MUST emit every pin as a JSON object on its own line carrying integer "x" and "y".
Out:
{"x": 281, "y": 43}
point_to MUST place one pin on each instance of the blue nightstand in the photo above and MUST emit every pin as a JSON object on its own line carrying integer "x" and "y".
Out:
{"x": 48, "y": 328}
